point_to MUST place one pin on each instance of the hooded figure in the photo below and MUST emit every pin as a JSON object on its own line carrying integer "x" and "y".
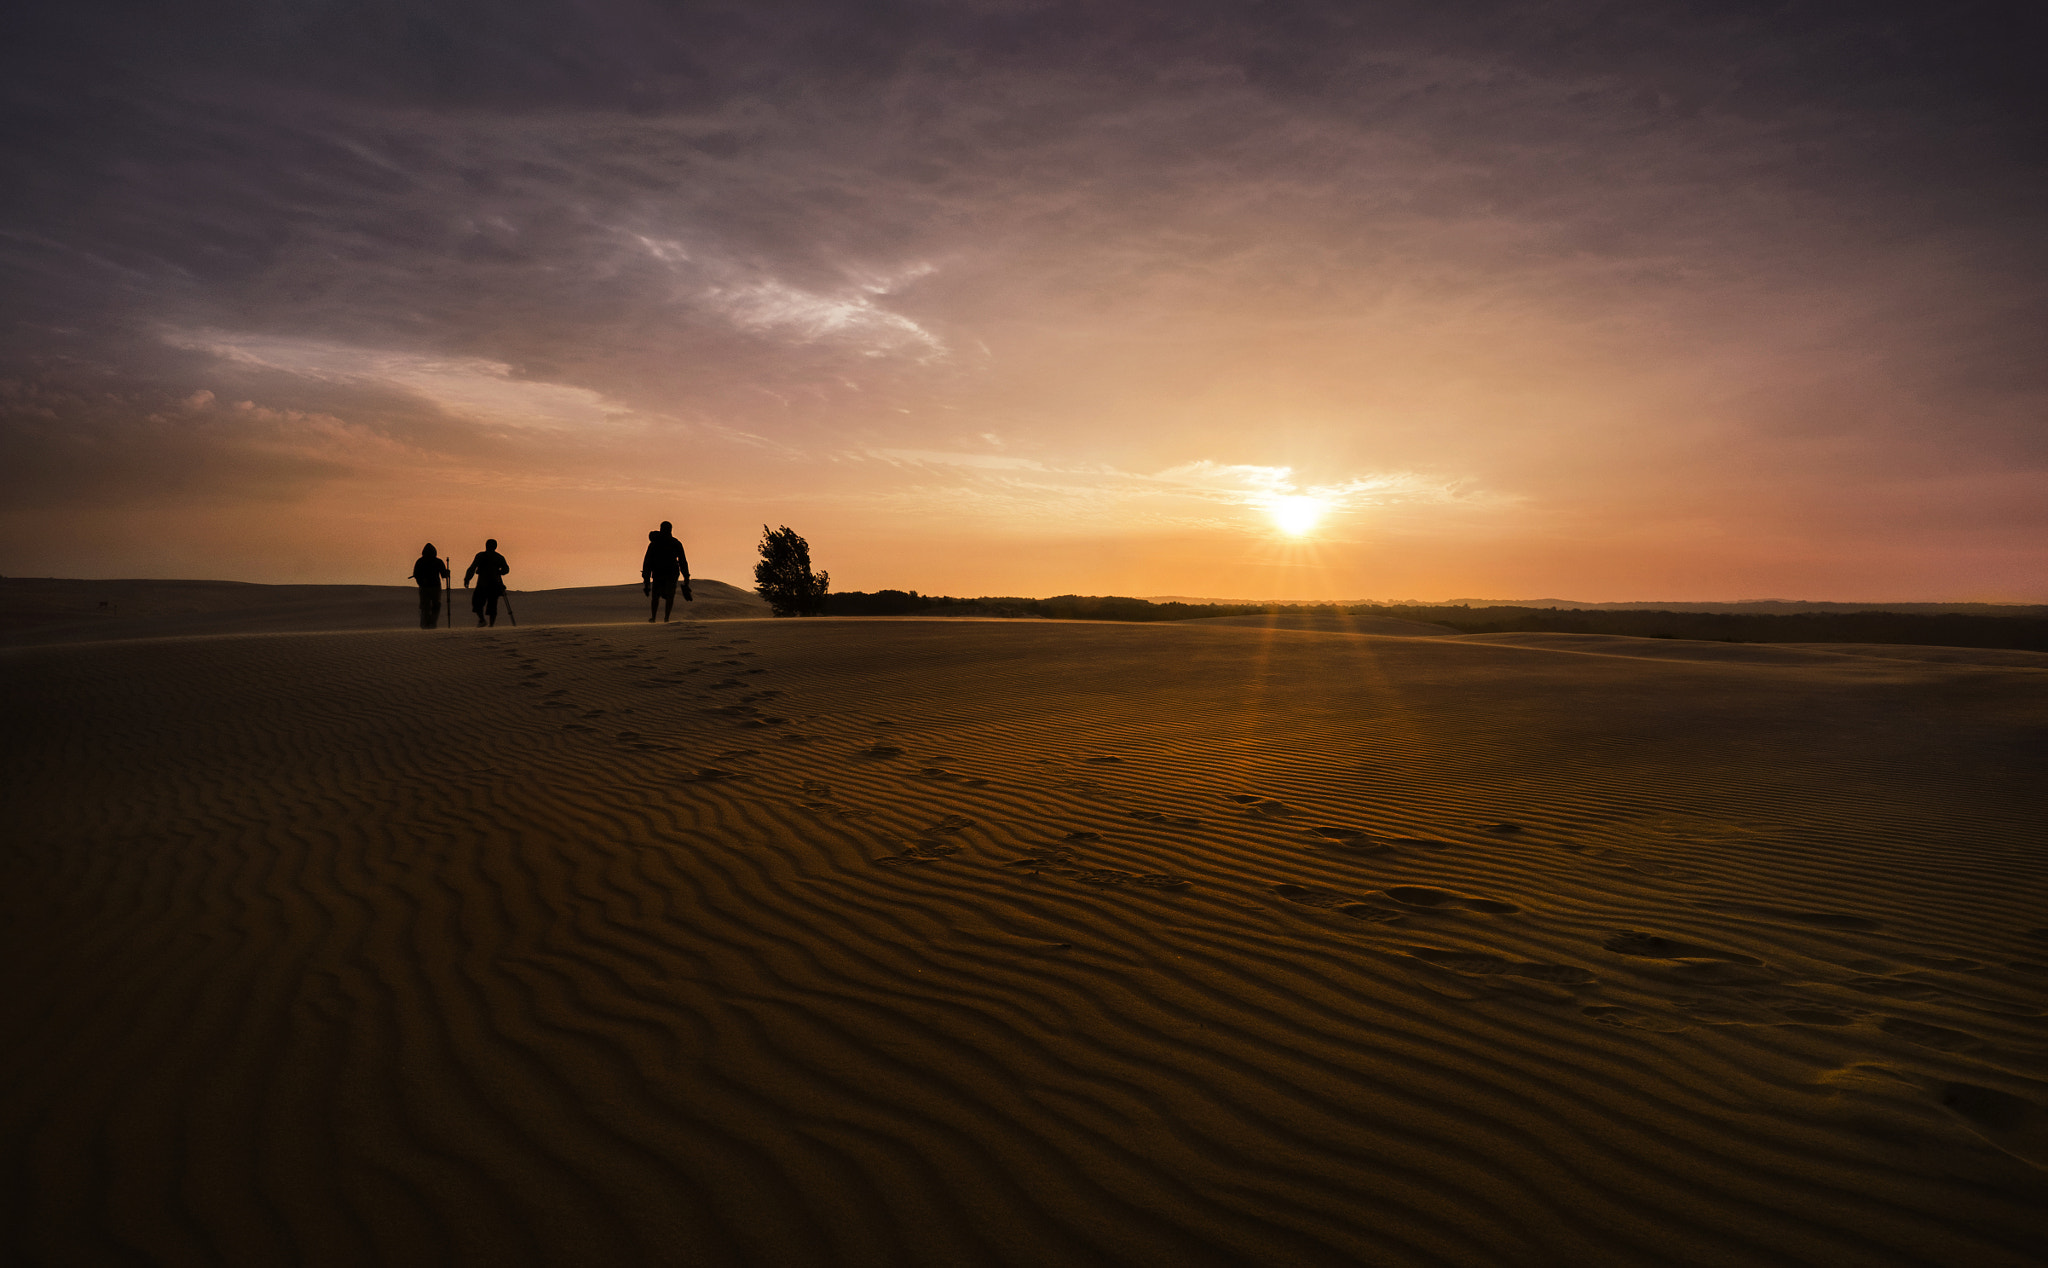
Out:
{"x": 427, "y": 573}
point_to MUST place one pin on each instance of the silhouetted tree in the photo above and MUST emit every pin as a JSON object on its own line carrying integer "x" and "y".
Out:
{"x": 784, "y": 576}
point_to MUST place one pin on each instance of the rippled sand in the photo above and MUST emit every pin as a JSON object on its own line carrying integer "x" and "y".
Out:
{"x": 840, "y": 942}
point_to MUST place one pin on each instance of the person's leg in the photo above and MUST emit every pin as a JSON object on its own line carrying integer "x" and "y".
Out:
{"x": 491, "y": 609}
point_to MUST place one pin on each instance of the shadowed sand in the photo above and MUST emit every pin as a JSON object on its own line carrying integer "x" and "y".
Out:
{"x": 840, "y": 942}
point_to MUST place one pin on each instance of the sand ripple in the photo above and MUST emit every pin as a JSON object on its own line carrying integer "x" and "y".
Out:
{"x": 925, "y": 943}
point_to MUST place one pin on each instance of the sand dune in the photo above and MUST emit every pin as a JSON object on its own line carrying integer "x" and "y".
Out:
{"x": 1329, "y": 623}
{"x": 842, "y": 942}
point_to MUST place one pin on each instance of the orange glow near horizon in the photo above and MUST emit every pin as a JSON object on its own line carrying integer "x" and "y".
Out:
{"x": 1030, "y": 305}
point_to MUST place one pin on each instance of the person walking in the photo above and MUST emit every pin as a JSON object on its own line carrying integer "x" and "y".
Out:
{"x": 489, "y": 569}
{"x": 428, "y": 571}
{"x": 660, "y": 569}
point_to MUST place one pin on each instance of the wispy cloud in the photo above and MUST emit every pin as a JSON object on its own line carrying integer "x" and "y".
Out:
{"x": 473, "y": 387}
{"x": 753, "y": 299}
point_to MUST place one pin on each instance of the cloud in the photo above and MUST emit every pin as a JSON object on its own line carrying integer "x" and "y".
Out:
{"x": 472, "y": 387}
{"x": 1680, "y": 264}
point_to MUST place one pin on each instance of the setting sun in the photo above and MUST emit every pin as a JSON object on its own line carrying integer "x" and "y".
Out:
{"x": 1298, "y": 514}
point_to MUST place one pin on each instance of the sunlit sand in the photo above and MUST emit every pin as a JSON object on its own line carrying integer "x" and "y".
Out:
{"x": 922, "y": 942}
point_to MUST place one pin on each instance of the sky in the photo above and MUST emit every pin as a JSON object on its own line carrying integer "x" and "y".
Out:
{"x": 1605, "y": 301}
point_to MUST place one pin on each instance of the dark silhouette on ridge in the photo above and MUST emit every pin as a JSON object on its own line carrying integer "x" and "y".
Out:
{"x": 489, "y": 569}
{"x": 660, "y": 569}
{"x": 427, "y": 573}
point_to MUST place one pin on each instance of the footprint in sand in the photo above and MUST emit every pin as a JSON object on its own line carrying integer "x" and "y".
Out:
{"x": 1046, "y": 858}
{"x": 1448, "y": 900}
{"x": 1107, "y": 876}
{"x": 1650, "y": 946}
{"x": 1350, "y": 840}
{"x": 1262, "y": 807}
{"x": 1083, "y": 836}
{"x": 1102, "y": 761}
{"x": 1330, "y": 900}
{"x": 879, "y": 752}
{"x": 1172, "y": 821}
{"x": 951, "y": 823}
{"x": 923, "y": 852}
{"x": 834, "y": 809}
{"x": 1061, "y": 861}
{"x": 1483, "y": 964}
{"x": 1630, "y": 1019}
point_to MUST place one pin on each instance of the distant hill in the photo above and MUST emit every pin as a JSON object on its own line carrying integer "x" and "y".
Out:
{"x": 36, "y": 610}
{"x": 1937, "y": 625}
{"x": 1776, "y": 607}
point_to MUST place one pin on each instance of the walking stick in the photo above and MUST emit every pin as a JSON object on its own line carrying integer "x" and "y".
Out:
{"x": 449, "y": 577}
{"x": 507, "y": 596}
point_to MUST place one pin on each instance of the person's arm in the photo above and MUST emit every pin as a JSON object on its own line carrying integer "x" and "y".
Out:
{"x": 684, "y": 560}
{"x": 469, "y": 572}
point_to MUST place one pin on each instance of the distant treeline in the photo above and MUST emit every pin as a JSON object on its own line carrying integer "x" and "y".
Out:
{"x": 2029, "y": 633}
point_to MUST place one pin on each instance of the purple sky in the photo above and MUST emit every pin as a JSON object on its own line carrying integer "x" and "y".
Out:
{"x": 1607, "y": 301}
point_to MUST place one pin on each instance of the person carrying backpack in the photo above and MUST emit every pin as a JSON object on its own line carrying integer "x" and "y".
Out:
{"x": 660, "y": 569}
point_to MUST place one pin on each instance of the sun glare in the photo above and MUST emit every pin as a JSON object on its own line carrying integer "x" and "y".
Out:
{"x": 1298, "y": 514}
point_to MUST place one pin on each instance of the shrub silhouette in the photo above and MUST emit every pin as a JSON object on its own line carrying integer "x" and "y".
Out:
{"x": 784, "y": 576}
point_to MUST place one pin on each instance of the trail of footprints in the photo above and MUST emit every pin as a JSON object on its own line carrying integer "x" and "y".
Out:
{"x": 1674, "y": 985}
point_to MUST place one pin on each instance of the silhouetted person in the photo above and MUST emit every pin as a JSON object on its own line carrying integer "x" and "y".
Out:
{"x": 660, "y": 569}
{"x": 489, "y": 569}
{"x": 427, "y": 573}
